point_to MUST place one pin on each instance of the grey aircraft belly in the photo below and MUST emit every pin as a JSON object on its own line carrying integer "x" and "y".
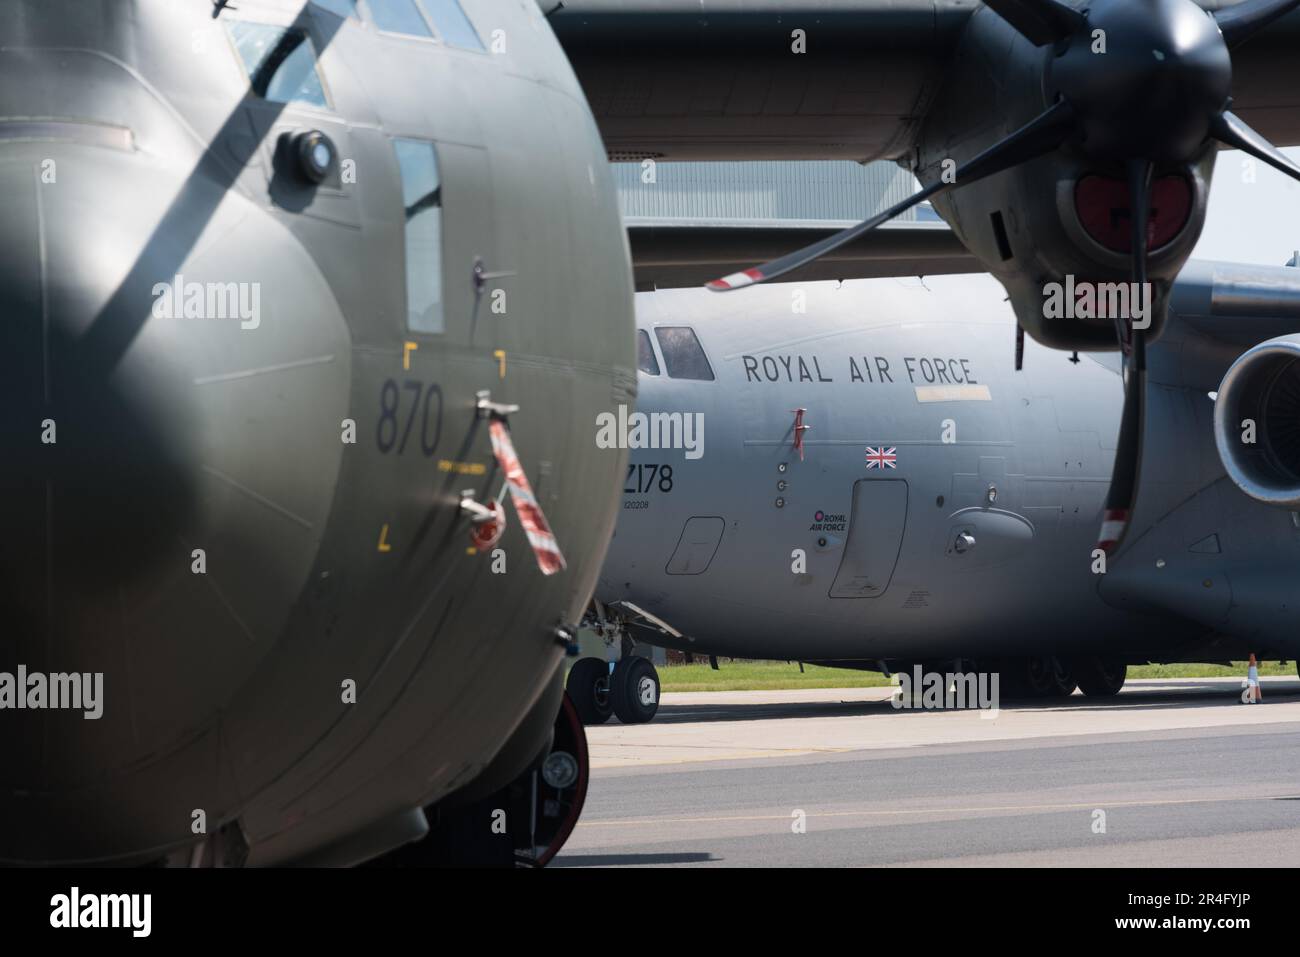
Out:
{"x": 869, "y": 481}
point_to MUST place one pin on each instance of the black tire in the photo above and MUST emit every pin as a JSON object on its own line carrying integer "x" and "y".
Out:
{"x": 541, "y": 805}
{"x": 1036, "y": 676}
{"x": 634, "y": 690}
{"x": 1060, "y": 678}
{"x": 588, "y": 687}
{"x": 1100, "y": 677}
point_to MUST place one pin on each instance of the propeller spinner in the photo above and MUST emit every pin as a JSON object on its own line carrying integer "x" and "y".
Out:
{"x": 1158, "y": 96}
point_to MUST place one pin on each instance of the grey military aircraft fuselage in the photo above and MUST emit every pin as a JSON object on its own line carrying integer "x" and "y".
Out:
{"x": 873, "y": 481}
{"x": 259, "y": 261}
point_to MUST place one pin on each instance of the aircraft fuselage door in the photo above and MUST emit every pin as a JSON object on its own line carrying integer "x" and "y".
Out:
{"x": 875, "y": 538}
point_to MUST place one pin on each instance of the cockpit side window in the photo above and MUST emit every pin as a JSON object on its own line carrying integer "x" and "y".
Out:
{"x": 422, "y": 209}
{"x": 645, "y": 354}
{"x": 399, "y": 16}
{"x": 280, "y": 61}
{"x": 683, "y": 355}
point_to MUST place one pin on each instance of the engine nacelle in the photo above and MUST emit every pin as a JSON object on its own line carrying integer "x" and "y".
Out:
{"x": 1257, "y": 422}
{"x": 1057, "y": 226}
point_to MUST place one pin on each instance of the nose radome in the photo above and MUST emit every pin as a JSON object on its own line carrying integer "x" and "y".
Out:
{"x": 171, "y": 460}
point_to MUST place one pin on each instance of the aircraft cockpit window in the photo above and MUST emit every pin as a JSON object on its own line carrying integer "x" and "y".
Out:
{"x": 280, "y": 61}
{"x": 344, "y": 8}
{"x": 431, "y": 19}
{"x": 422, "y": 199}
{"x": 399, "y": 16}
{"x": 683, "y": 355}
{"x": 645, "y": 354}
{"x": 453, "y": 26}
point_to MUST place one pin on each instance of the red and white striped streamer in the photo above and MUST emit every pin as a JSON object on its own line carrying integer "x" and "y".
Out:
{"x": 539, "y": 533}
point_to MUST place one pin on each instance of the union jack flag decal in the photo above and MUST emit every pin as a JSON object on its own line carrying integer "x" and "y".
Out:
{"x": 882, "y": 458}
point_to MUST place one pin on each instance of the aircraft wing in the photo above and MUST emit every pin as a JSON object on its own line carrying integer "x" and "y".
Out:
{"x": 1218, "y": 310}
{"x": 719, "y": 79}
{"x": 1238, "y": 303}
{"x": 674, "y": 253}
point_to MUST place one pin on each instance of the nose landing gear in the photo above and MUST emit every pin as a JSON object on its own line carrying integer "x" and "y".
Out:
{"x": 634, "y": 690}
{"x": 516, "y": 823}
{"x": 630, "y": 690}
{"x": 588, "y": 687}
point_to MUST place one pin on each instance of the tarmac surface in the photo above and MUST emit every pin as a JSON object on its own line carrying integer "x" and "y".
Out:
{"x": 1171, "y": 772}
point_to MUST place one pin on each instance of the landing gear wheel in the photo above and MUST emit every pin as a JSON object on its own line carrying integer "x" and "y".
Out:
{"x": 588, "y": 688}
{"x": 1060, "y": 679}
{"x": 559, "y": 789}
{"x": 1037, "y": 677}
{"x": 634, "y": 690}
{"x": 1100, "y": 677}
{"x": 539, "y": 809}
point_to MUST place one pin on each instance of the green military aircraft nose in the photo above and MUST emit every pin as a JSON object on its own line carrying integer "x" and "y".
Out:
{"x": 284, "y": 314}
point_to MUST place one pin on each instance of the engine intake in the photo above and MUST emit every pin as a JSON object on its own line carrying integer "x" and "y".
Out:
{"x": 1259, "y": 400}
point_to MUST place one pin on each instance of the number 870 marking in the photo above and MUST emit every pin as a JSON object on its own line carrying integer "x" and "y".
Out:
{"x": 390, "y": 402}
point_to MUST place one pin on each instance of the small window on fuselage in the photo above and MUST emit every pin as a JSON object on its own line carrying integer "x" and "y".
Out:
{"x": 422, "y": 213}
{"x": 683, "y": 355}
{"x": 645, "y": 354}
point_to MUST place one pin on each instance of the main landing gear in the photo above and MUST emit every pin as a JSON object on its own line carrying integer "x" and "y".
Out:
{"x": 1052, "y": 677}
{"x": 1100, "y": 677}
{"x": 630, "y": 690}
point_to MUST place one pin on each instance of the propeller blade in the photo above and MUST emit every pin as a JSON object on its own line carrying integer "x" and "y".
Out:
{"x": 1231, "y": 130}
{"x": 1140, "y": 173}
{"x": 1040, "y": 135}
{"x": 1040, "y": 21}
{"x": 1242, "y": 21}
{"x": 1122, "y": 494}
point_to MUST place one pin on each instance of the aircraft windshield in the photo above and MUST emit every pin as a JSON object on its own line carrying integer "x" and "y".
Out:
{"x": 399, "y": 16}
{"x": 344, "y": 8}
{"x": 683, "y": 354}
{"x": 645, "y": 354}
{"x": 281, "y": 63}
{"x": 440, "y": 19}
{"x": 453, "y": 26}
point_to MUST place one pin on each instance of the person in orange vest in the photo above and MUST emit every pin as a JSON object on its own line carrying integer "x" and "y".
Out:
{"x": 1252, "y": 681}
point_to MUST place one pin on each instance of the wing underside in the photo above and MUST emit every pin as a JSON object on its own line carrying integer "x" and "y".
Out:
{"x": 669, "y": 254}
{"x": 724, "y": 79}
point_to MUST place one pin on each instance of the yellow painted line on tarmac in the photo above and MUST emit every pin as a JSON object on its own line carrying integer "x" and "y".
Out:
{"x": 605, "y": 762}
{"x": 1106, "y": 805}
{"x": 716, "y": 747}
